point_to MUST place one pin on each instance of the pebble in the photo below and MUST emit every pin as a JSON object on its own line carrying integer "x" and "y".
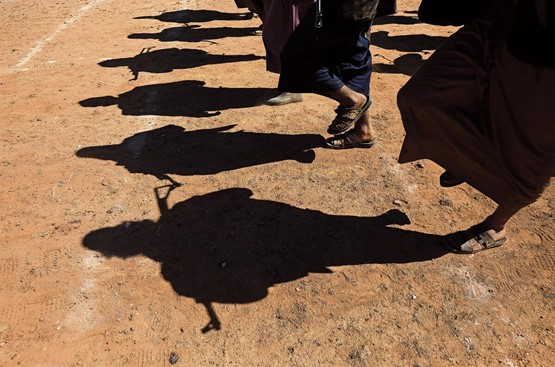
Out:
{"x": 445, "y": 202}
{"x": 174, "y": 357}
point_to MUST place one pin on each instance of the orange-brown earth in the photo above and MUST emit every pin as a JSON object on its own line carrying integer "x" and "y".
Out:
{"x": 155, "y": 213}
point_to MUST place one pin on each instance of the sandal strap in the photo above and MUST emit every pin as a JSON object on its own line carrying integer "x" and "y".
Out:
{"x": 348, "y": 139}
{"x": 346, "y": 117}
{"x": 486, "y": 241}
{"x": 482, "y": 238}
{"x": 344, "y": 113}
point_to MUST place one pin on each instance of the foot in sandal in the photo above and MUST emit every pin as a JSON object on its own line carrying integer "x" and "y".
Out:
{"x": 474, "y": 240}
{"x": 347, "y": 117}
{"x": 347, "y": 140}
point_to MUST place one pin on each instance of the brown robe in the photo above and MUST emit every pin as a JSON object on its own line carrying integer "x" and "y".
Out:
{"x": 483, "y": 115}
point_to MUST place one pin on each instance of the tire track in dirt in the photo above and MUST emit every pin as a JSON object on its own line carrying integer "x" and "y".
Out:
{"x": 545, "y": 261}
{"x": 51, "y": 260}
{"x": 8, "y": 268}
{"x": 544, "y": 236}
{"x": 10, "y": 317}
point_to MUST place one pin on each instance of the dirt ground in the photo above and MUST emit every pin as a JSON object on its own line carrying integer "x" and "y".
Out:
{"x": 155, "y": 213}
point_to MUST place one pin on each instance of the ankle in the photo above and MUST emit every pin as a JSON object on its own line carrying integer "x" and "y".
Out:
{"x": 349, "y": 98}
{"x": 364, "y": 129}
{"x": 365, "y": 134}
{"x": 357, "y": 101}
{"x": 487, "y": 225}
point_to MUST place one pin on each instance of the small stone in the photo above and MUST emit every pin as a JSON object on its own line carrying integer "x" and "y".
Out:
{"x": 174, "y": 357}
{"x": 397, "y": 202}
{"x": 445, "y": 202}
{"x": 419, "y": 165}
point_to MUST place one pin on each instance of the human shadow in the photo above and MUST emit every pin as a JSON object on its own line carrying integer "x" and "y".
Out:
{"x": 167, "y": 60}
{"x": 184, "y": 98}
{"x": 395, "y": 19}
{"x": 194, "y": 33}
{"x": 226, "y": 247}
{"x": 172, "y": 150}
{"x": 406, "y": 43}
{"x": 196, "y": 16}
{"x": 406, "y": 64}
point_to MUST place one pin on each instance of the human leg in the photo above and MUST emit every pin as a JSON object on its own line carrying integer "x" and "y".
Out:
{"x": 354, "y": 68}
{"x": 282, "y": 17}
{"x": 524, "y": 139}
{"x": 353, "y": 121}
{"x": 347, "y": 97}
{"x": 334, "y": 62}
{"x": 499, "y": 218}
{"x": 352, "y": 106}
{"x": 316, "y": 60}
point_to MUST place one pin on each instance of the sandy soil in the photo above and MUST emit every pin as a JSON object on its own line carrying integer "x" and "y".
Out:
{"x": 154, "y": 213}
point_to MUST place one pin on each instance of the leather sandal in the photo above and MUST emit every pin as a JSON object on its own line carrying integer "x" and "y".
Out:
{"x": 348, "y": 140}
{"x": 483, "y": 240}
{"x": 347, "y": 117}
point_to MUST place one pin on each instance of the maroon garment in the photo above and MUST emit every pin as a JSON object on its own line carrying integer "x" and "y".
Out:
{"x": 282, "y": 18}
